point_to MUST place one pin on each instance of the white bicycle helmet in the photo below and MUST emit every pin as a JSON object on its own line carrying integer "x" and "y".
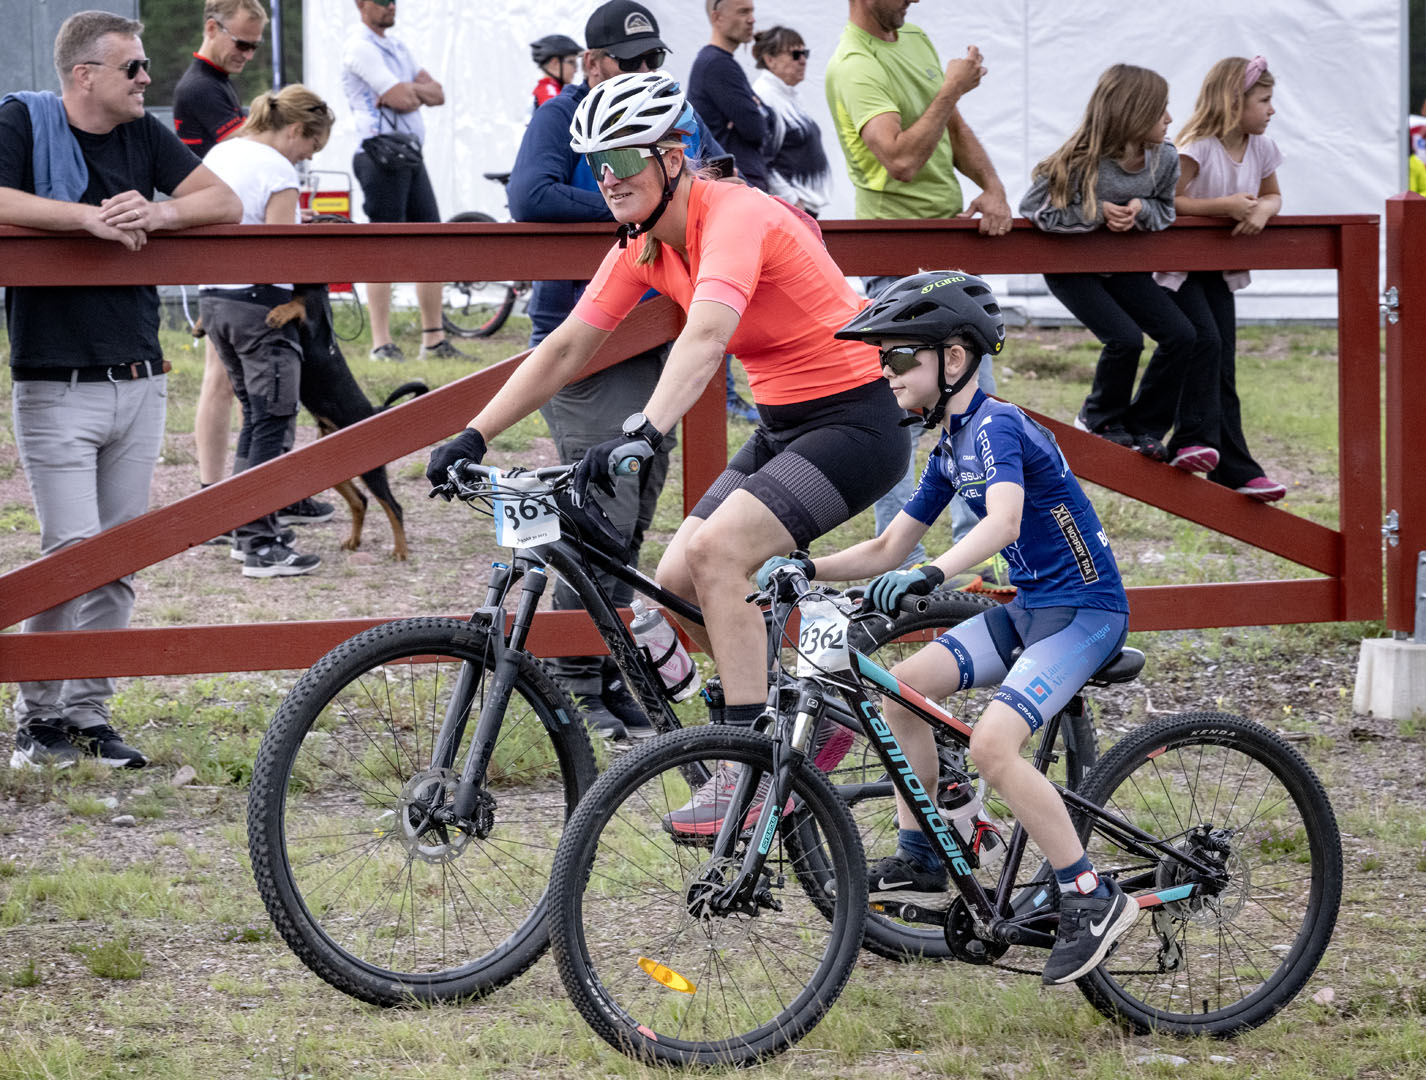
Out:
{"x": 637, "y": 109}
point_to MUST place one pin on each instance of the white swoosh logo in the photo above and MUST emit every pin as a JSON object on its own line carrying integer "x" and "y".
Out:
{"x": 883, "y": 885}
{"x": 1097, "y": 929}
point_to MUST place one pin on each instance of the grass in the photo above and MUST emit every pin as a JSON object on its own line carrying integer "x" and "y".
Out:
{"x": 146, "y": 951}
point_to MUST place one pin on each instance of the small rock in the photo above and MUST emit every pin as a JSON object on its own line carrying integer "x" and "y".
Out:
{"x": 1325, "y": 996}
{"x": 361, "y": 558}
{"x": 1220, "y": 1059}
{"x": 124, "y": 821}
{"x": 1161, "y": 1059}
{"x": 186, "y": 775}
{"x": 109, "y": 802}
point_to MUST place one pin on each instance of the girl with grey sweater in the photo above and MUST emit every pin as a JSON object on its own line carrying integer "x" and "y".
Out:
{"x": 1117, "y": 172}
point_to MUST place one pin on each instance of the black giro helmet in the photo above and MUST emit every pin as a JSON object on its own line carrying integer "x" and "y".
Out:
{"x": 932, "y": 307}
{"x": 552, "y": 45}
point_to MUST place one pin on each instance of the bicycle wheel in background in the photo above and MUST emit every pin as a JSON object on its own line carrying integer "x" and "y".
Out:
{"x": 475, "y": 309}
{"x": 656, "y": 973}
{"x": 1230, "y": 793}
{"x": 373, "y": 896}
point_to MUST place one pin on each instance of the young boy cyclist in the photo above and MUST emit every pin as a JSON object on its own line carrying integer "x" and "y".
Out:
{"x": 1069, "y": 614}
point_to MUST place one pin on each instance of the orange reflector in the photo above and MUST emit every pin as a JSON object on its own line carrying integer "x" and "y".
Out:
{"x": 670, "y": 978}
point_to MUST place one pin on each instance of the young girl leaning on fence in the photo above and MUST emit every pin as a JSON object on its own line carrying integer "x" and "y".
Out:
{"x": 1116, "y": 171}
{"x": 1228, "y": 168}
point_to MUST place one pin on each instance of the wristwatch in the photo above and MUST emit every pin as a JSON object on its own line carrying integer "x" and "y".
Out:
{"x": 639, "y": 427}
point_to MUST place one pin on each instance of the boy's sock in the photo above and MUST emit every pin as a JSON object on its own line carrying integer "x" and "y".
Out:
{"x": 1072, "y": 879}
{"x": 913, "y": 844}
{"x": 744, "y": 716}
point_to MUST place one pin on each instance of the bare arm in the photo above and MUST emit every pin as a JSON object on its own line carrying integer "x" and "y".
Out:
{"x": 904, "y": 151}
{"x": 281, "y": 207}
{"x": 407, "y": 97}
{"x": 201, "y": 199}
{"x": 697, "y": 355}
{"x": 1268, "y": 206}
{"x": 874, "y": 556}
{"x": 1004, "y": 506}
{"x": 1235, "y": 206}
{"x": 555, "y": 361}
{"x": 972, "y": 160}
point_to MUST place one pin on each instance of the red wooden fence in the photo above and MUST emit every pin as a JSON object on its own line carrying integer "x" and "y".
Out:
{"x": 1346, "y": 562}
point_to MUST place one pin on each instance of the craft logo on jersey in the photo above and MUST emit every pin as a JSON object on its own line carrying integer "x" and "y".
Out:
{"x": 637, "y": 23}
{"x": 1078, "y": 548}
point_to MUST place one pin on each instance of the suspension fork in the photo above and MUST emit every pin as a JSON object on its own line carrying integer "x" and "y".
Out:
{"x": 492, "y": 615}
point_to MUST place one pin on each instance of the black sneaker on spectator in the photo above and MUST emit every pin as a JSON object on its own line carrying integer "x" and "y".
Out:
{"x": 600, "y": 720}
{"x": 307, "y": 512}
{"x": 1150, "y": 447}
{"x": 238, "y": 554}
{"x": 442, "y": 350}
{"x": 619, "y": 701}
{"x": 389, "y": 352}
{"x": 39, "y": 743}
{"x": 103, "y": 742}
{"x": 220, "y": 539}
{"x": 1118, "y": 434}
{"x": 898, "y": 879}
{"x": 278, "y": 560}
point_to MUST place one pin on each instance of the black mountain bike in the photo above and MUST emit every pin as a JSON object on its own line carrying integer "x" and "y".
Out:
{"x": 728, "y": 948}
{"x": 409, "y": 795}
{"x": 477, "y": 309}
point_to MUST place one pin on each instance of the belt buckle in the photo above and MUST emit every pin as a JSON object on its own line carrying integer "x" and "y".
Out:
{"x": 109, "y": 374}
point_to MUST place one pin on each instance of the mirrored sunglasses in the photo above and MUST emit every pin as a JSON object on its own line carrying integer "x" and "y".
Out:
{"x": 900, "y": 358}
{"x": 654, "y": 59}
{"x": 131, "y": 69}
{"x": 624, "y": 162}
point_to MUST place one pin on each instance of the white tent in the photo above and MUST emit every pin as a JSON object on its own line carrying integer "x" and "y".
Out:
{"x": 1338, "y": 63}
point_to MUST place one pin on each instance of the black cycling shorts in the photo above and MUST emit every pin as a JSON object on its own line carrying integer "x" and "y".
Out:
{"x": 394, "y": 194}
{"x": 815, "y": 464}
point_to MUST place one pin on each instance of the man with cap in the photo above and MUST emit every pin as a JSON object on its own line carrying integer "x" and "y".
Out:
{"x": 550, "y": 182}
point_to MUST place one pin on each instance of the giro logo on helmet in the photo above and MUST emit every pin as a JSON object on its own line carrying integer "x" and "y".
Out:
{"x": 943, "y": 282}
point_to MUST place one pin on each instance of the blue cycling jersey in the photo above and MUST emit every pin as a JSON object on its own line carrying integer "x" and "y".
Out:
{"x": 1062, "y": 557}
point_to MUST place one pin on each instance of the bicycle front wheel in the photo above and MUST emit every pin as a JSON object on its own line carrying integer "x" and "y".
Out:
{"x": 376, "y": 898}
{"x": 656, "y": 966}
{"x": 1227, "y": 957}
{"x": 475, "y": 309}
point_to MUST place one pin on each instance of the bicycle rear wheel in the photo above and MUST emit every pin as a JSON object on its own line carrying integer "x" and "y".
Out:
{"x": 1231, "y": 793}
{"x": 373, "y": 897}
{"x": 656, "y": 972}
{"x": 475, "y": 309}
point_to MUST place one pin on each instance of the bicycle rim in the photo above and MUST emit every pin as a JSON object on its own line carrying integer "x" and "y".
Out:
{"x": 371, "y": 897}
{"x": 658, "y": 979}
{"x": 1226, "y": 959}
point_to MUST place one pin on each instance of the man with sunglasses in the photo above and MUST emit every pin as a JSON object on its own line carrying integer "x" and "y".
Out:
{"x": 550, "y": 182}
{"x": 718, "y": 88}
{"x": 206, "y": 110}
{"x": 89, "y": 384}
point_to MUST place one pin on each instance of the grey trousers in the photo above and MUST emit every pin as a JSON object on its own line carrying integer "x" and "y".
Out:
{"x": 88, "y": 451}
{"x": 584, "y": 414}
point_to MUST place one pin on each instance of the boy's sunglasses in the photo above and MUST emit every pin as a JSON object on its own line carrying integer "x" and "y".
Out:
{"x": 900, "y": 358}
{"x": 654, "y": 58}
{"x": 131, "y": 69}
{"x": 624, "y": 162}
{"x": 799, "y": 54}
{"x": 241, "y": 44}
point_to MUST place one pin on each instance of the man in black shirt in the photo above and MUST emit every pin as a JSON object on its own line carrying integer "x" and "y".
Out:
{"x": 719, "y": 91}
{"x": 206, "y": 110}
{"x": 89, "y": 384}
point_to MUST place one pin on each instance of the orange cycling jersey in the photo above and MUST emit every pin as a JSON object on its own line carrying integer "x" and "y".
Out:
{"x": 750, "y": 252}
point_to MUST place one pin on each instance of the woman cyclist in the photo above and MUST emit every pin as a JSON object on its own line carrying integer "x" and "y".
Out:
{"x": 755, "y": 280}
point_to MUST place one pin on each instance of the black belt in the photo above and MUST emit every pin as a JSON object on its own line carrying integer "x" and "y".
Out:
{"x": 112, "y": 373}
{"x": 269, "y": 295}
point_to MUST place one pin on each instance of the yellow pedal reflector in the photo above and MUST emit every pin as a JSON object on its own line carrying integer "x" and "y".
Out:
{"x": 667, "y": 976}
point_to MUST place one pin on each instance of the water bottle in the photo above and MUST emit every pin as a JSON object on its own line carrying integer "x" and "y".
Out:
{"x": 962, "y": 805}
{"x": 660, "y": 640}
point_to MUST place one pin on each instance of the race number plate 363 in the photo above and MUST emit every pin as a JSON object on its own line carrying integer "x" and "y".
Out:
{"x": 524, "y": 521}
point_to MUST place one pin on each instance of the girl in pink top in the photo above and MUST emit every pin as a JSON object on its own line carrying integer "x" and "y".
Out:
{"x": 1228, "y": 168}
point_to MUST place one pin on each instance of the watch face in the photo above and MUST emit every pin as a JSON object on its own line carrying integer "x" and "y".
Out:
{"x": 634, "y": 423}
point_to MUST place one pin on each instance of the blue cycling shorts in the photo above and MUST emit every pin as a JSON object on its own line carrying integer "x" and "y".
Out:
{"x": 1063, "y": 647}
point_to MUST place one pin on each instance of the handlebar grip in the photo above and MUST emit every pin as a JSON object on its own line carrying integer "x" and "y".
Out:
{"x": 628, "y": 466}
{"x": 915, "y": 605}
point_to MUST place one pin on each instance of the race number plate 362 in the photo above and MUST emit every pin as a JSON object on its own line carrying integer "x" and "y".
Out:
{"x": 524, "y": 521}
{"x": 822, "y": 638}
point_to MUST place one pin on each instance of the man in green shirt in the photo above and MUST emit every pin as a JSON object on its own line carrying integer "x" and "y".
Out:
{"x": 896, "y": 117}
{"x": 904, "y": 138}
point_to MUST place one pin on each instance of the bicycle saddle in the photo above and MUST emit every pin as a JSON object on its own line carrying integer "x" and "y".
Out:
{"x": 1124, "y": 666}
{"x": 501, "y": 177}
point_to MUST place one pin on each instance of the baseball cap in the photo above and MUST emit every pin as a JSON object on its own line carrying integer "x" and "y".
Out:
{"x": 623, "y": 29}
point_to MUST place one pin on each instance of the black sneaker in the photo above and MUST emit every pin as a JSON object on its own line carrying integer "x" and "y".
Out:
{"x": 238, "y": 553}
{"x": 1118, "y": 434}
{"x": 278, "y": 560}
{"x": 39, "y": 743}
{"x": 619, "y": 701}
{"x": 600, "y": 720}
{"x": 103, "y": 742}
{"x": 1089, "y": 927}
{"x": 896, "y": 879}
{"x": 1150, "y": 447}
{"x": 307, "y": 512}
{"x": 442, "y": 350}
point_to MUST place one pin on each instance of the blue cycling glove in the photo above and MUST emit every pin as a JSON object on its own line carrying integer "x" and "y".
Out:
{"x": 886, "y": 592}
{"x": 765, "y": 571}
